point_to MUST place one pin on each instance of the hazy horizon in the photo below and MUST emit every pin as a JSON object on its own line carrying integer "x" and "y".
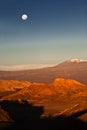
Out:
{"x": 19, "y": 67}
{"x": 24, "y": 67}
{"x": 56, "y": 30}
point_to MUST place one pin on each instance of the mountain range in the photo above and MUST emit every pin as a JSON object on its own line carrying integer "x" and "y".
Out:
{"x": 48, "y": 98}
{"x": 72, "y": 69}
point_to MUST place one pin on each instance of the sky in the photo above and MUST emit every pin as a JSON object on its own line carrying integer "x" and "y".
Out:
{"x": 56, "y": 30}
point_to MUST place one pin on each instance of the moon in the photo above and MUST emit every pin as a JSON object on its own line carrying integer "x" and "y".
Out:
{"x": 24, "y": 17}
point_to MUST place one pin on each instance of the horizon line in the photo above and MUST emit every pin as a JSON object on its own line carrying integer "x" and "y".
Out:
{"x": 24, "y": 67}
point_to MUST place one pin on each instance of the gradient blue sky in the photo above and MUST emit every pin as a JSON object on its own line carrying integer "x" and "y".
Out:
{"x": 56, "y": 30}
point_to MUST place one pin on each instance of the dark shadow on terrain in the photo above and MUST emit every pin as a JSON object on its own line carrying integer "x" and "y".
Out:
{"x": 28, "y": 117}
{"x": 21, "y": 111}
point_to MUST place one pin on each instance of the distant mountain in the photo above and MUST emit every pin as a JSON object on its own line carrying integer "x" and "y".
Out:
{"x": 72, "y": 69}
{"x": 77, "y": 60}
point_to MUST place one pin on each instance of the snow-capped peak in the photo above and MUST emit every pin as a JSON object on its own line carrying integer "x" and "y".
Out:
{"x": 77, "y": 60}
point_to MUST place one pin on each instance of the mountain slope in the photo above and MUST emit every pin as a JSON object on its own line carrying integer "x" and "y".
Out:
{"x": 68, "y": 69}
{"x": 63, "y": 97}
{"x": 8, "y": 87}
{"x": 4, "y": 116}
{"x": 35, "y": 90}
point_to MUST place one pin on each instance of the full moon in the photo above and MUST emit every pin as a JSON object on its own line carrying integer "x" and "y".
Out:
{"x": 24, "y": 17}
